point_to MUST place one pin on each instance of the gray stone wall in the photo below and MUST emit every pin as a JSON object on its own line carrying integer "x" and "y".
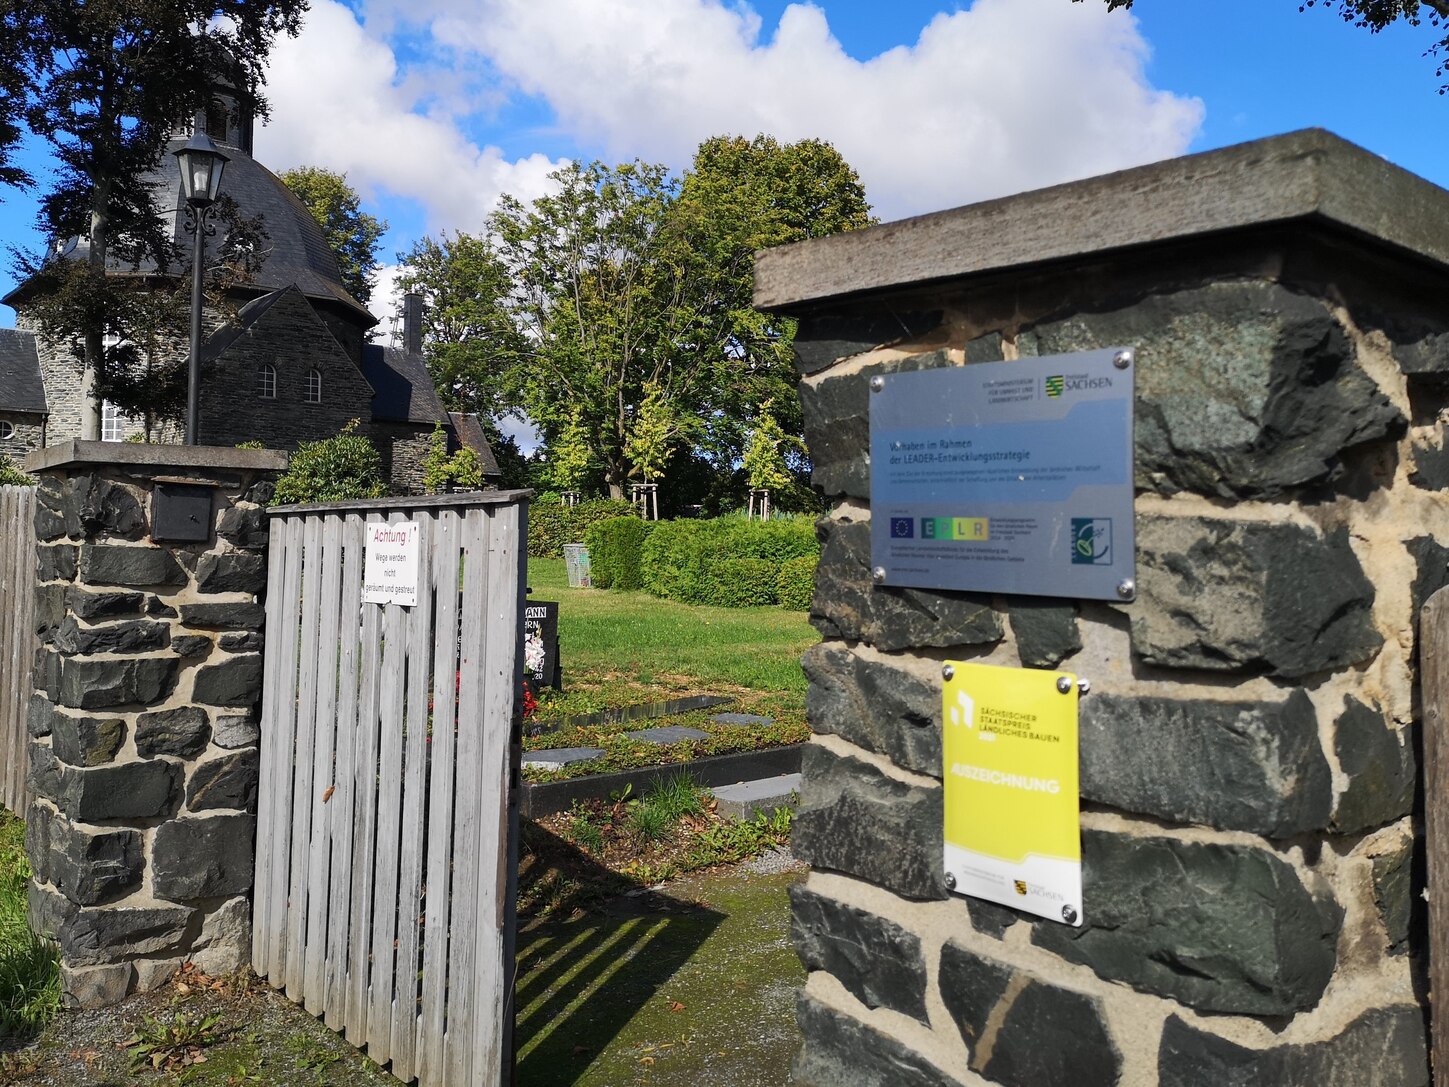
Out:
{"x": 403, "y": 447}
{"x": 144, "y": 719}
{"x": 293, "y": 339}
{"x": 1250, "y": 829}
{"x": 28, "y": 436}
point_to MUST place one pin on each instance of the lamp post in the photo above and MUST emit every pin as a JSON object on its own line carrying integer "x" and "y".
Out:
{"x": 201, "y": 167}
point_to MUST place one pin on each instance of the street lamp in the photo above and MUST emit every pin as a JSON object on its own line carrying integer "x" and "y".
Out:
{"x": 201, "y": 167}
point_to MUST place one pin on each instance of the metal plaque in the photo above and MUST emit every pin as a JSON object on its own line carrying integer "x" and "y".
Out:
{"x": 1010, "y": 477}
{"x": 181, "y": 512}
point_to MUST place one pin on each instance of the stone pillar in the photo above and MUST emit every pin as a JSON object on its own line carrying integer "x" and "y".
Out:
{"x": 1250, "y": 825}
{"x": 144, "y": 722}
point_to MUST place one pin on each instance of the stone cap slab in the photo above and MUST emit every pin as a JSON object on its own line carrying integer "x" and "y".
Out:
{"x": 1311, "y": 175}
{"x": 155, "y": 456}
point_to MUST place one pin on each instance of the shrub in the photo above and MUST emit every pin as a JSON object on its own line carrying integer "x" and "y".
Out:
{"x": 741, "y": 583}
{"x": 552, "y": 524}
{"x": 332, "y": 470}
{"x": 13, "y": 476}
{"x": 678, "y": 558}
{"x": 796, "y": 582}
{"x": 615, "y": 546}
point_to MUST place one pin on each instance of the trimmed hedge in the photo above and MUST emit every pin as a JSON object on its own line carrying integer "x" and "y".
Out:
{"x": 615, "y": 546}
{"x": 795, "y": 584}
{"x": 679, "y": 557}
{"x": 741, "y": 583}
{"x": 552, "y": 524}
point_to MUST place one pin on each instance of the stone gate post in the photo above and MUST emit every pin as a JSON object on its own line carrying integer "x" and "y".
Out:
{"x": 143, "y": 755}
{"x": 1248, "y": 752}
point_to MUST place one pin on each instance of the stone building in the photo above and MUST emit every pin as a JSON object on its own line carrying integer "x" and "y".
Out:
{"x": 287, "y": 358}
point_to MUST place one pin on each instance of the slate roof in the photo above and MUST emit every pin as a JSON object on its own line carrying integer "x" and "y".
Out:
{"x": 469, "y": 433}
{"x": 402, "y": 387}
{"x": 21, "y": 385}
{"x": 298, "y": 251}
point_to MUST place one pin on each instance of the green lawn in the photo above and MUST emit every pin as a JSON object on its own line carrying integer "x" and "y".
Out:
{"x": 608, "y": 636}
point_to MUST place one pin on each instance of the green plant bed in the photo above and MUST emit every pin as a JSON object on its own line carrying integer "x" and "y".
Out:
{"x": 622, "y": 753}
{"x": 29, "y": 966}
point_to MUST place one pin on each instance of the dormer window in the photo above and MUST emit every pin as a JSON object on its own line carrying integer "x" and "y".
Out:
{"x": 312, "y": 391}
{"x": 267, "y": 381}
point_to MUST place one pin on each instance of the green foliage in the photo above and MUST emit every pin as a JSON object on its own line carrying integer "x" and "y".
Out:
{"x": 615, "y": 547}
{"x": 764, "y": 459}
{"x": 795, "y": 585}
{"x": 741, "y": 583}
{"x": 11, "y": 475}
{"x": 552, "y": 524}
{"x": 443, "y": 471}
{"x": 569, "y": 457}
{"x": 678, "y": 557}
{"x": 351, "y": 232}
{"x": 29, "y": 965}
{"x": 252, "y": 443}
{"x": 332, "y": 470}
{"x": 736, "y": 840}
{"x": 470, "y": 339}
{"x": 657, "y": 426}
{"x": 165, "y": 1044}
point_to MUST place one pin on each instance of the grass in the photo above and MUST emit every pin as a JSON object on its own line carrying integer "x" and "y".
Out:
{"x": 29, "y": 966}
{"x": 611, "y": 636}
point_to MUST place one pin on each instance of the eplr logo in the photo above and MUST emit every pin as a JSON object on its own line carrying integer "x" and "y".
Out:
{"x": 1092, "y": 541}
{"x": 1055, "y": 384}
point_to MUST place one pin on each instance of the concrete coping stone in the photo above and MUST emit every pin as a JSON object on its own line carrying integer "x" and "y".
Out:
{"x": 744, "y": 798}
{"x": 667, "y": 734}
{"x": 1310, "y": 175}
{"x": 556, "y": 758}
{"x": 136, "y": 454}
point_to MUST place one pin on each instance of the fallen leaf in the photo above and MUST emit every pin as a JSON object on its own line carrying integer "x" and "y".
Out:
{"x": 675, "y": 1006}
{"x": 646, "y": 1060}
{"x": 327, "y": 793}
{"x": 183, "y": 988}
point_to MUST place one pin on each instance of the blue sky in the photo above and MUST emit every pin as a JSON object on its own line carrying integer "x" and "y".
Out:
{"x": 434, "y": 107}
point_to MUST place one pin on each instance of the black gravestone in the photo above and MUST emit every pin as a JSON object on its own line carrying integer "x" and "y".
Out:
{"x": 540, "y": 621}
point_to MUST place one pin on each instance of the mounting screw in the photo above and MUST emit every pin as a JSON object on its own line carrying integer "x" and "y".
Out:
{"x": 878, "y": 575}
{"x": 1126, "y": 588}
{"x": 947, "y": 672}
{"x": 1084, "y": 686}
{"x": 1122, "y": 359}
{"x": 950, "y": 882}
{"x": 1064, "y": 684}
{"x": 877, "y": 383}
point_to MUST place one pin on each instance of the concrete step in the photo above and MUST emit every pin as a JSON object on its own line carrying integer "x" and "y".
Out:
{"x": 743, "y": 799}
{"x": 556, "y": 758}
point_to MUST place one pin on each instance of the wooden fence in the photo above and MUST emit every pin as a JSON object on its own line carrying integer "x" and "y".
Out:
{"x": 17, "y": 640}
{"x": 387, "y": 819}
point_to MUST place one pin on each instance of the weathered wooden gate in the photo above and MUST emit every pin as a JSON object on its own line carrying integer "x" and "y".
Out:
{"x": 387, "y": 819}
{"x": 17, "y": 640}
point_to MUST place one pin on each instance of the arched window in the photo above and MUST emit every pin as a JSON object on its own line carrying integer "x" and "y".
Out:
{"x": 7, "y": 430}
{"x": 267, "y": 381}
{"x": 312, "y": 391}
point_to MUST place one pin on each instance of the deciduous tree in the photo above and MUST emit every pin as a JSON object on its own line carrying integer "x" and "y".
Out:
{"x": 351, "y": 232}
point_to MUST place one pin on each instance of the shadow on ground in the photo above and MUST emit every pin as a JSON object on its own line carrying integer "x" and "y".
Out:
{"x": 647, "y": 987}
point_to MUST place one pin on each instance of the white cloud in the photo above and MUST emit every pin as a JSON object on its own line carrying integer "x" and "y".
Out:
{"x": 1006, "y": 96}
{"x": 338, "y": 102}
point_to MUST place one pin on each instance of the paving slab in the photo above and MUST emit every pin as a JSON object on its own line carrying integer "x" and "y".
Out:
{"x": 764, "y": 794}
{"x": 741, "y": 719}
{"x": 667, "y": 734}
{"x": 556, "y": 758}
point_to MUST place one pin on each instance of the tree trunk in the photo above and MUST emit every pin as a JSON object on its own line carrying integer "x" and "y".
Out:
{"x": 90, "y": 420}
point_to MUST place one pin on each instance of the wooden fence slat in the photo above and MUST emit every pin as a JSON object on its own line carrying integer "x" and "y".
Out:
{"x": 462, "y": 958}
{"x": 364, "y": 842}
{"x": 302, "y": 785}
{"x": 1434, "y": 672}
{"x": 410, "y": 865}
{"x": 389, "y": 831}
{"x": 446, "y": 543}
{"x": 493, "y": 976}
{"x": 17, "y": 641}
{"x": 272, "y": 682}
{"x": 329, "y": 602}
{"x": 340, "y": 810}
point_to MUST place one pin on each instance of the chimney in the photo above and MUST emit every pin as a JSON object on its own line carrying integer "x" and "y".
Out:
{"x": 413, "y": 324}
